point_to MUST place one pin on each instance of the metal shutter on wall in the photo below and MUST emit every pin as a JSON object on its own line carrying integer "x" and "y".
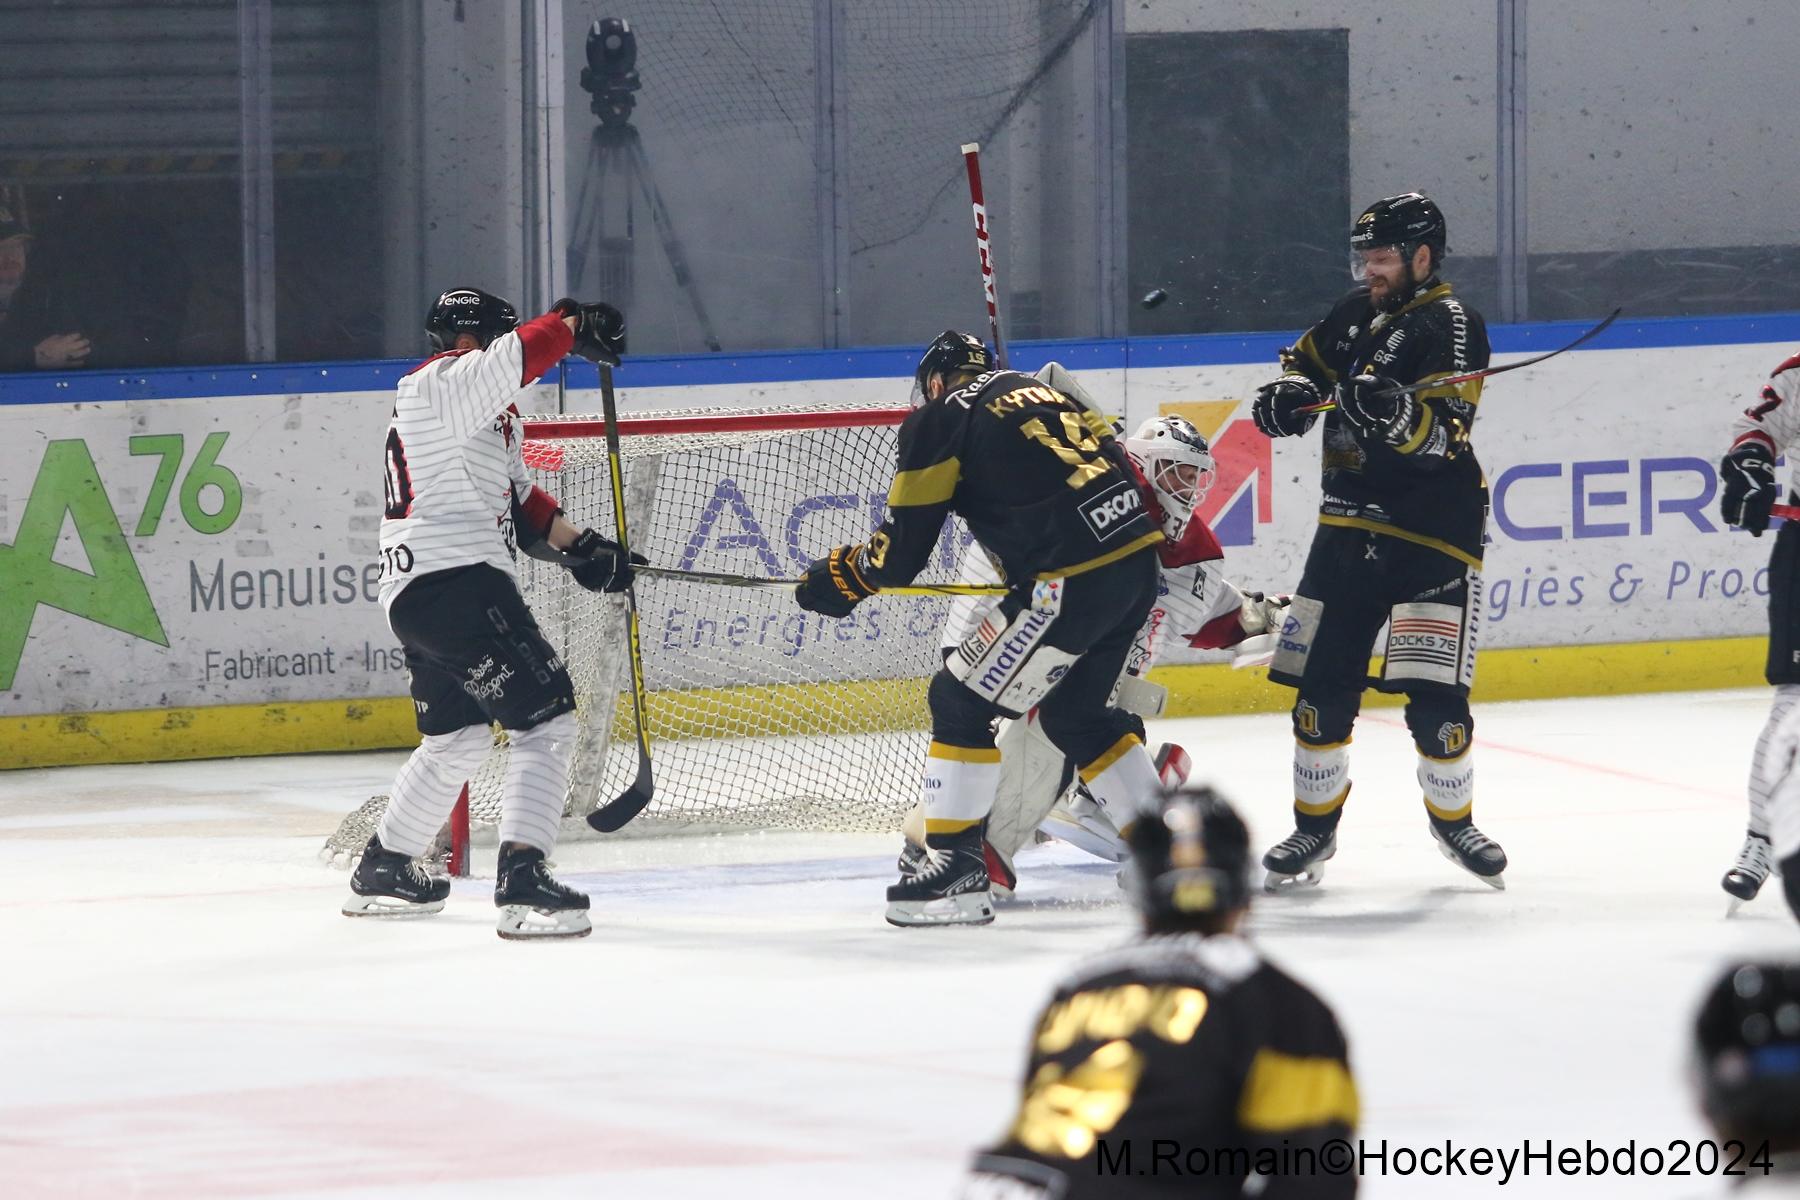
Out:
{"x": 91, "y": 89}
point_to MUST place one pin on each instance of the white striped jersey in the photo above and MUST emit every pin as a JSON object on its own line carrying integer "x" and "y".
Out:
{"x": 1774, "y": 420}
{"x": 453, "y": 457}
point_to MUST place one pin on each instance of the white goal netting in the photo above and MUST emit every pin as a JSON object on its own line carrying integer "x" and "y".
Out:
{"x": 760, "y": 714}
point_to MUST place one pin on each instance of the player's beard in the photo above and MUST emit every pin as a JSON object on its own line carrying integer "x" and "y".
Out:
{"x": 1396, "y": 297}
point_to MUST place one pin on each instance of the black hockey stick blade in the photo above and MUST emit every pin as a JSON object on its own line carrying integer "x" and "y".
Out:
{"x": 615, "y": 815}
{"x": 1485, "y": 373}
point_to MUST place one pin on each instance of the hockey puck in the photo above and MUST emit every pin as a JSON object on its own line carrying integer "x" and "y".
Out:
{"x": 1154, "y": 297}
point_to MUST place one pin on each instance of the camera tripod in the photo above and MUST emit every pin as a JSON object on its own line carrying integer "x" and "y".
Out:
{"x": 616, "y": 157}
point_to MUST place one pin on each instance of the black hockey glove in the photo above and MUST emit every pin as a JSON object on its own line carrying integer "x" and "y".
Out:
{"x": 1389, "y": 417}
{"x": 599, "y": 330}
{"x": 834, "y": 585}
{"x": 1747, "y": 476}
{"x": 603, "y": 566}
{"x": 1276, "y": 409}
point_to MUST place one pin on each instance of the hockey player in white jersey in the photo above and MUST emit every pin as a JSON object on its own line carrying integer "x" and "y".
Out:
{"x": 458, "y": 506}
{"x": 1747, "y": 495}
{"x": 1195, "y": 606}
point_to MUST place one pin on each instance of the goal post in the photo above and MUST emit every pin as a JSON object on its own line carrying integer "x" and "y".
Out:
{"x": 761, "y": 715}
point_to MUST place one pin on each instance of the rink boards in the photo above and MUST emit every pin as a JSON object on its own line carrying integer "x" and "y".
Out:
{"x": 187, "y": 559}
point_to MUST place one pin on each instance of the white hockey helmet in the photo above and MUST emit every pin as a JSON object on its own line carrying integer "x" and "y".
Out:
{"x": 1178, "y": 464}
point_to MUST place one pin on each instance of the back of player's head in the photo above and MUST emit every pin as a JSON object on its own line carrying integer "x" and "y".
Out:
{"x": 1190, "y": 862}
{"x": 468, "y": 310}
{"x": 951, "y": 354}
{"x": 1747, "y": 1054}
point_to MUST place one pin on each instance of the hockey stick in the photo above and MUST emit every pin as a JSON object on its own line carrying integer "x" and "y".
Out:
{"x": 753, "y": 581}
{"x": 971, "y": 152}
{"x": 611, "y": 817}
{"x": 1453, "y": 380}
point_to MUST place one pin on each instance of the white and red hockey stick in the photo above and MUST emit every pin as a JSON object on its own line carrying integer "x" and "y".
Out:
{"x": 972, "y": 159}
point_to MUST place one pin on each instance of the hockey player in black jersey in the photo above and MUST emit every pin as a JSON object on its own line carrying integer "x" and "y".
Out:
{"x": 1400, "y": 534}
{"x": 1047, "y": 490}
{"x": 1181, "y": 1064}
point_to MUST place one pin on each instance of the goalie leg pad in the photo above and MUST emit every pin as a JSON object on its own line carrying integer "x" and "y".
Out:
{"x": 1124, "y": 780}
{"x": 1033, "y": 775}
{"x": 426, "y": 788}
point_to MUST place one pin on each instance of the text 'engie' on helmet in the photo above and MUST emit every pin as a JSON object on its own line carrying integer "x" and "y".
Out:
{"x": 949, "y": 353}
{"x": 1178, "y": 464}
{"x": 468, "y": 310}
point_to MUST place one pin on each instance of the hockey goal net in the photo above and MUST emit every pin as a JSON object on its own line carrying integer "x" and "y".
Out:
{"x": 760, "y": 714}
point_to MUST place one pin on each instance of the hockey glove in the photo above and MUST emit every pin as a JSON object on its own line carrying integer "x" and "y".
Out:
{"x": 834, "y": 585}
{"x": 1747, "y": 476}
{"x": 1263, "y": 614}
{"x": 1386, "y": 416}
{"x": 1276, "y": 409}
{"x": 603, "y": 566}
{"x": 599, "y": 330}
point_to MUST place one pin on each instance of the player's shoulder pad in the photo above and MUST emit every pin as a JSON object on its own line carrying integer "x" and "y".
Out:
{"x": 1198, "y": 544}
{"x": 1790, "y": 363}
{"x": 437, "y": 360}
{"x": 1215, "y": 964}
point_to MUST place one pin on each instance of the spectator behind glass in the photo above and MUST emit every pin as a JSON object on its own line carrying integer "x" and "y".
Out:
{"x": 21, "y": 347}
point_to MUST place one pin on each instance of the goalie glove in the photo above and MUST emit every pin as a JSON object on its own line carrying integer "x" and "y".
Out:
{"x": 834, "y": 585}
{"x": 599, "y": 330}
{"x": 601, "y": 566}
{"x": 1747, "y": 476}
{"x": 1262, "y": 614}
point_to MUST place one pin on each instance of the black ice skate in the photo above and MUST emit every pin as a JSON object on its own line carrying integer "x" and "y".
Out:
{"x": 1749, "y": 872}
{"x": 1298, "y": 860}
{"x": 532, "y": 903}
{"x": 1002, "y": 879}
{"x": 1471, "y": 849}
{"x": 949, "y": 885}
{"x": 387, "y": 883}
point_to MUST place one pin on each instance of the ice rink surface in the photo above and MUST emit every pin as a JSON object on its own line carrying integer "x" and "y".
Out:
{"x": 185, "y": 1014}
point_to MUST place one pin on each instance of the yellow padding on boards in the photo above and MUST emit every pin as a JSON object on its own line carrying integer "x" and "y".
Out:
{"x": 1285, "y": 1093}
{"x": 881, "y": 705}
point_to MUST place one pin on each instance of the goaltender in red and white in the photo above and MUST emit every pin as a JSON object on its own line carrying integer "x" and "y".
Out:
{"x": 1196, "y": 606}
{"x": 459, "y": 506}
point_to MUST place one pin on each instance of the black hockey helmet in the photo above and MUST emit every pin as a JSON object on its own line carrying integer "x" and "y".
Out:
{"x": 949, "y": 353}
{"x": 1190, "y": 859}
{"x": 1407, "y": 221}
{"x": 468, "y": 310}
{"x": 1747, "y": 1052}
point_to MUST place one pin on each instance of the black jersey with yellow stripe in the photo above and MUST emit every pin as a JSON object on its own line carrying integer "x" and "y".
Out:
{"x": 1039, "y": 479}
{"x": 1179, "y": 1065}
{"x": 1429, "y": 488}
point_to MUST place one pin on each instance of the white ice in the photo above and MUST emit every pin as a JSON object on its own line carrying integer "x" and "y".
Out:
{"x": 183, "y": 1012}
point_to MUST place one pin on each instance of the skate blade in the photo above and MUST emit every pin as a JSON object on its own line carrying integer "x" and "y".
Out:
{"x": 1097, "y": 842}
{"x": 1276, "y": 882}
{"x": 391, "y": 907}
{"x": 1497, "y": 881}
{"x": 522, "y": 923}
{"x": 965, "y": 908}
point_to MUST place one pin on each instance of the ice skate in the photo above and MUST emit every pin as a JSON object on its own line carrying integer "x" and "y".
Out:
{"x": 1002, "y": 879}
{"x": 1083, "y": 823}
{"x": 1298, "y": 860}
{"x": 387, "y": 883}
{"x": 1472, "y": 850}
{"x": 532, "y": 903}
{"x": 949, "y": 885}
{"x": 1751, "y": 870}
